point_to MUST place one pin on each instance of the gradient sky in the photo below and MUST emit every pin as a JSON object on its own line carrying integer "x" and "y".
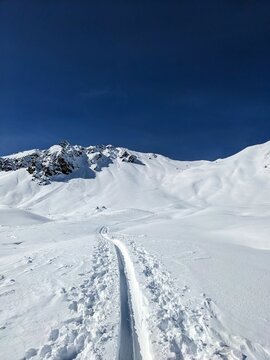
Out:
{"x": 188, "y": 79}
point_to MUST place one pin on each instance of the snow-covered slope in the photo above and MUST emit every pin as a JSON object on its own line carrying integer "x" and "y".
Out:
{"x": 196, "y": 234}
{"x": 65, "y": 159}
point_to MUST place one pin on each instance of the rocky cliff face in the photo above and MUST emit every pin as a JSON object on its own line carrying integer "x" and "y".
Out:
{"x": 63, "y": 159}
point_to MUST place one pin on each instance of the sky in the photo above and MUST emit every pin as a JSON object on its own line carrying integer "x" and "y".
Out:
{"x": 187, "y": 79}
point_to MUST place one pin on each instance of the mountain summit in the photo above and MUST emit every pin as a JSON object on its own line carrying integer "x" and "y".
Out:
{"x": 65, "y": 159}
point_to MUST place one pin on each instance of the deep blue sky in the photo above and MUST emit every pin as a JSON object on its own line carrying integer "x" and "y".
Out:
{"x": 188, "y": 79}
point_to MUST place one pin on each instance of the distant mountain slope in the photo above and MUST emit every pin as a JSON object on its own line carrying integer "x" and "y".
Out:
{"x": 80, "y": 178}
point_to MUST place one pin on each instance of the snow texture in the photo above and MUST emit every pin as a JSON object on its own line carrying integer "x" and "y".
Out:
{"x": 193, "y": 238}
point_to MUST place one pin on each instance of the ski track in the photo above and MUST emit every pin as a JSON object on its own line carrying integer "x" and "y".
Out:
{"x": 138, "y": 302}
{"x": 166, "y": 330}
{"x": 178, "y": 331}
{"x": 90, "y": 333}
{"x": 128, "y": 341}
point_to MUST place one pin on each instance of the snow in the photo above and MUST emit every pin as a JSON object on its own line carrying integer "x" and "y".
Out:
{"x": 15, "y": 217}
{"x": 22, "y": 154}
{"x": 138, "y": 301}
{"x": 195, "y": 241}
{"x": 55, "y": 149}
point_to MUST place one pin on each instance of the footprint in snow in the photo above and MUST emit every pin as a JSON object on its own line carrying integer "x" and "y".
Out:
{"x": 30, "y": 353}
{"x": 29, "y": 260}
{"x": 54, "y": 335}
{"x": 73, "y": 306}
{"x": 45, "y": 351}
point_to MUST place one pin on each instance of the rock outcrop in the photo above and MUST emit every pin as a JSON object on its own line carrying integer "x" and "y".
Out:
{"x": 64, "y": 159}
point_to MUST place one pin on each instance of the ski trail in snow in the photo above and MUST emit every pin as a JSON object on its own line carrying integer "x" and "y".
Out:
{"x": 137, "y": 303}
{"x": 126, "y": 334}
{"x": 129, "y": 345}
{"x": 178, "y": 331}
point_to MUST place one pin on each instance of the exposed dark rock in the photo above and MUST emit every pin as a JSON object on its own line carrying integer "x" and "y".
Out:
{"x": 31, "y": 170}
{"x": 63, "y": 159}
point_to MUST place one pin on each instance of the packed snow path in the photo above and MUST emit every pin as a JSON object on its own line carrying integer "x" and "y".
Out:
{"x": 133, "y": 299}
{"x": 129, "y": 345}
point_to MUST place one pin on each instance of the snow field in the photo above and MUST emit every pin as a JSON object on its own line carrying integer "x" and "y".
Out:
{"x": 196, "y": 236}
{"x": 176, "y": 331}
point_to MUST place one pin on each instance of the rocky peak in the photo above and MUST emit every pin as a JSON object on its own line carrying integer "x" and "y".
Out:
{"x": 64, "y": 158}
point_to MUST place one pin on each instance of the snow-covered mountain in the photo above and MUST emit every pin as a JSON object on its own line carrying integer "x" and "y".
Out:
{"x": 65, "y": 159}
{"x": 122, "y": 178}
{"x": 193, "y": 237}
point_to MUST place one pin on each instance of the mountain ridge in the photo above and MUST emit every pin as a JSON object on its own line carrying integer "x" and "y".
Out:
{"x": 64, "y": 159}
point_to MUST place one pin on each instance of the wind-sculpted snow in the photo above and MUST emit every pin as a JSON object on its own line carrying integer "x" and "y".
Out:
{"x": 15, "y": 217}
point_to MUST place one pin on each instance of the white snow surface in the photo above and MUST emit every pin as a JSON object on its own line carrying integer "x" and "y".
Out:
{"x": 195, "y": 237}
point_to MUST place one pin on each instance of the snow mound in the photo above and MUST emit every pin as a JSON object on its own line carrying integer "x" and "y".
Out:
{"x": 16, "y": 217}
